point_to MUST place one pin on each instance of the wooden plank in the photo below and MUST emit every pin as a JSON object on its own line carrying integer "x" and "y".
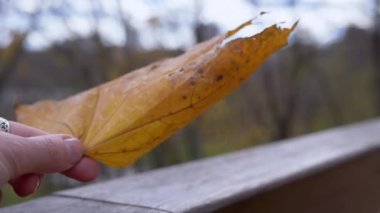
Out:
{"x": 349, "y": 188}
{"x": 65, "y": 205}
{"x": 214, "y": 183}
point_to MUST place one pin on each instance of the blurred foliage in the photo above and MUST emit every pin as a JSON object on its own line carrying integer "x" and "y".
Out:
{"x": 302, "y": 89}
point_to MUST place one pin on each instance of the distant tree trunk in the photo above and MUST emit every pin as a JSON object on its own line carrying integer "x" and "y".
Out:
{"x": 282, "y": 112}
{"x": 333, "y": 105}
{"x": 283, "y": 108}
{"x": 271, "y": 102}
{"x": 376, "y": 55}
{"x": 9, "y": 58}
{"x": 195, "y": 148}
{"x": 202, "y": 32}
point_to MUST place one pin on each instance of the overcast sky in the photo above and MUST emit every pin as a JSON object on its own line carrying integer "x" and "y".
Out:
{"x": 322, "y": 21}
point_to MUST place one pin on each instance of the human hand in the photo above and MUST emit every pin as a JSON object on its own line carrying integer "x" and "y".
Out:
{"x": 26, "y": 154}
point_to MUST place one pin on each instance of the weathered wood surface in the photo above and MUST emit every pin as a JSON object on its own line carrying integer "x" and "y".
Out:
{"x": 353, "y": 187}
{"x": 250, "y": 179}
{"x": 52, "y": 204}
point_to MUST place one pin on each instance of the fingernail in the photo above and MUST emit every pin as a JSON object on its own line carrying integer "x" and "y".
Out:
{"x": 74, "y": 149}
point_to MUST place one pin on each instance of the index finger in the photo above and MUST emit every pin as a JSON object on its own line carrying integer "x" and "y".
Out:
{"x": 24, "y": 130}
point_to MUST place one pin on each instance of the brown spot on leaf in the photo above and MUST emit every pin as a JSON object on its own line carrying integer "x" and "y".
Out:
{"x": 219, "y": 78}
{"x": 192, "y": 81}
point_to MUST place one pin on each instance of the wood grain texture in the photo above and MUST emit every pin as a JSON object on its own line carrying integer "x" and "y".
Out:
{"x": 52, "y": 204}
{"x": 218, "y": 182}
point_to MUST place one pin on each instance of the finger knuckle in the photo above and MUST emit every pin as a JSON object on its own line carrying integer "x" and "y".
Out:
{"x": 52, "y": 149}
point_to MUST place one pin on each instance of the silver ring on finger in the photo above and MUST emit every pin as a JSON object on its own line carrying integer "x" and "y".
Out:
{"x": 4, "y": 125}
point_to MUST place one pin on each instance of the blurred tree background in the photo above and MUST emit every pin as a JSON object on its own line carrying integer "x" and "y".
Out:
{"x": 329, "y": 75}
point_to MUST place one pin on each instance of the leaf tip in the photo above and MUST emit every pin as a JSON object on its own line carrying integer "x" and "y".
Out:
{"x": 237, "y": 29}
{"x": 294, "y": 26}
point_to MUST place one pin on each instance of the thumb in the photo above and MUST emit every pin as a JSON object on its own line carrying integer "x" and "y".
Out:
{"x": 41, "y": 154}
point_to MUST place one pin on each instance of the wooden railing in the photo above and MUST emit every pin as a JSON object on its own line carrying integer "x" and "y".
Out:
{"x": 331, "y": 171}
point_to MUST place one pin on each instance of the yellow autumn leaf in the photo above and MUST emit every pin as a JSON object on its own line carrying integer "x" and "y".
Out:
{"x": 121, "y": 120}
